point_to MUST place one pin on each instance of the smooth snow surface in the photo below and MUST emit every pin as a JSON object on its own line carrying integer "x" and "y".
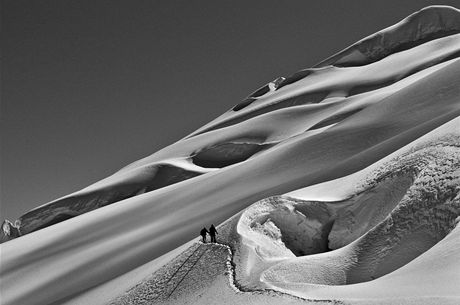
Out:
{"x": 343, "y": 181}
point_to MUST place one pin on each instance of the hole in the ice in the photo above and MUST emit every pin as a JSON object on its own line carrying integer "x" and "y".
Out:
{"x": 386, "y": 231}
{"x": 225, "y": 154}
{"x": 311, "y": 227}
{"x": 303, "y": 231}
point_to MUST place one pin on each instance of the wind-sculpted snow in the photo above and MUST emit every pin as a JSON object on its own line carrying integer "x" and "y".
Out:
{"x": 411, "y": 204}
{"x": 386, "y": 124}
{"x": 427, "y": 24}
{"x": 316, "y": 250}
{"x": 327, "y": 96}
{"x": 138, "y": 181}
{"x": 309, "y": 227}
{"x": 342, "y": 84}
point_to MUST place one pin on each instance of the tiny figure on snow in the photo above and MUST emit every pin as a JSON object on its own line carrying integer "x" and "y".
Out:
{"x": 213, "y": 232}
{"x": 203, "y": 234}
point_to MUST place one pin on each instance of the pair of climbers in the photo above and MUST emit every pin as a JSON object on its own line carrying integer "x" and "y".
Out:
{"x": 212, "y": 232}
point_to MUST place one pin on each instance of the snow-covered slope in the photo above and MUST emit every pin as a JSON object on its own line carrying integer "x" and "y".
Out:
{"x": 366, "y": 145}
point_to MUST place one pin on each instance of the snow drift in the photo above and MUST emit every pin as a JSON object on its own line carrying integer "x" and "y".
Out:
{"x": 366, "y": 146}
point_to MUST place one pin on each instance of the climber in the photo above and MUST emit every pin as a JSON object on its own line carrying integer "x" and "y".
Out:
{"x": 203, "y": 234}
{"x": 213, "y": 232}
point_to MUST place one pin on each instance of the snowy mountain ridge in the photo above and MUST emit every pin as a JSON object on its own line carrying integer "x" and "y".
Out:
{"x": 340, "y": 182}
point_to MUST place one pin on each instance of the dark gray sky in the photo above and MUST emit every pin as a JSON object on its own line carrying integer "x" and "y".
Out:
{"x": 90, "y": 86}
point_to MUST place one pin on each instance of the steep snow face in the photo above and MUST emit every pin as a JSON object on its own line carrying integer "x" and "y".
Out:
{"x": 427, "y": 24}
{"x": 301, "y": 105}
{"x": 306, "y": 130}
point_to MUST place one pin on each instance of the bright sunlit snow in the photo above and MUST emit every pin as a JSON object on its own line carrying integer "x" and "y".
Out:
{"x": 340, "y": 183}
